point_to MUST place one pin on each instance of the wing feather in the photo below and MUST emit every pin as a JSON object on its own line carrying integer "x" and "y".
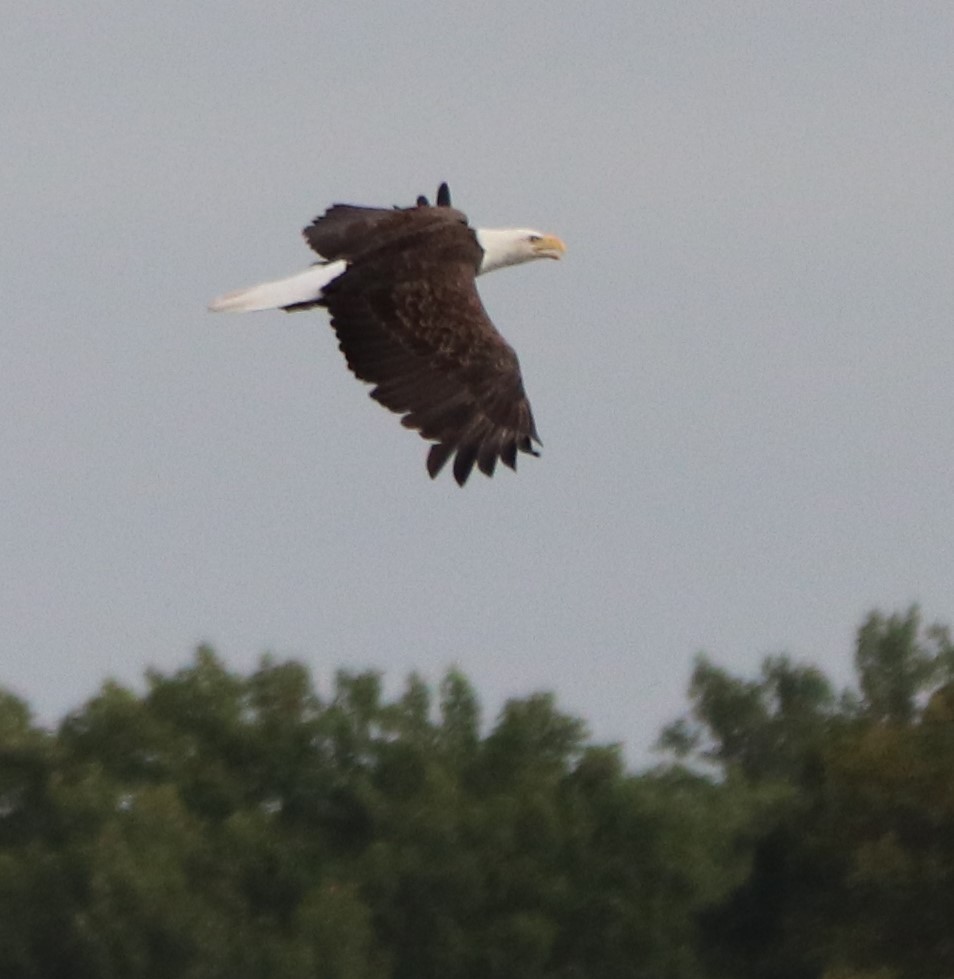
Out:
{"x": 348, "y": 231}
{"x": 409, "y": 321}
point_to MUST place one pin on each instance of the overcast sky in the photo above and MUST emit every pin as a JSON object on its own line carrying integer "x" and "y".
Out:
{"x": 742, "y": 371}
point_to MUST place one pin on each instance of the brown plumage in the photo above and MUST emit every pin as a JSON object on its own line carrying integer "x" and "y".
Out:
{"x": 399, "y": 284}
{"x": 410, "y": 321}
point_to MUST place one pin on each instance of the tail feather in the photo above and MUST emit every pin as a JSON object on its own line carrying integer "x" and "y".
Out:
{"x": 301, "y": 289}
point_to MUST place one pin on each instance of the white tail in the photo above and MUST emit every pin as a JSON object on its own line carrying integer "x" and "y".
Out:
{"x": 305, "y": 287}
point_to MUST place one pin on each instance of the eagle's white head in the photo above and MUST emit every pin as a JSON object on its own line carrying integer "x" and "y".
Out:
{"x": 512, "y": 246}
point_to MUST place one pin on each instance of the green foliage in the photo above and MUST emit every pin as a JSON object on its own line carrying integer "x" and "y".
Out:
{"x": 761, "y": 729}
{"x": 895, "y": 664}
{"x": 221, "y": 825}
{"x": 852, "y": 871}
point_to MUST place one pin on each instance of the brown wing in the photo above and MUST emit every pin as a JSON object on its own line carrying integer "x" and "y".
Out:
{"x": 409, "y": 320}
{"x": 347, "y": 231}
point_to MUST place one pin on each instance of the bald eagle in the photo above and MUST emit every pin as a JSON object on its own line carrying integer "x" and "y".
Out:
{"x": 399, "y": 285}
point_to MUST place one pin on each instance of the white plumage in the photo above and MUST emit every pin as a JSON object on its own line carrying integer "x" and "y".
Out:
{"x": 304, "y": 287}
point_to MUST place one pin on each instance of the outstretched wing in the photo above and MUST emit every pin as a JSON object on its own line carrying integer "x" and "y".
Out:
{"x": 410, "y": 321}
{"x": 347, "y": 230}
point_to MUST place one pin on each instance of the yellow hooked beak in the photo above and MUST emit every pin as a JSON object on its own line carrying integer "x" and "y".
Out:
{"x": 548, "y": 246}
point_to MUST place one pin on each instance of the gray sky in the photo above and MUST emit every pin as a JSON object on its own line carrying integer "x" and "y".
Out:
{"x": 742, "y": 371}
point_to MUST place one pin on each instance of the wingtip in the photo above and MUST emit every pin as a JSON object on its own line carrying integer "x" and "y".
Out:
{"x": 464, "y": 462}
{"x": 437, "y": 457}
{"x": 443, "y": 195}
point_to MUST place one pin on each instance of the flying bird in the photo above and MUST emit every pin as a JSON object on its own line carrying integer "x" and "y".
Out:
{"x": 400, "y": 287}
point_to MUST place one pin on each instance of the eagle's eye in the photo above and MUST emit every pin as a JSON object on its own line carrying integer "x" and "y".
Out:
{"x": 534, "y": 238}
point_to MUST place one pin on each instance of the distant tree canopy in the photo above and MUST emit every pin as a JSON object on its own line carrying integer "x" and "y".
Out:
{"x": 221, "y": 825}
{"x": 852, "y": 873}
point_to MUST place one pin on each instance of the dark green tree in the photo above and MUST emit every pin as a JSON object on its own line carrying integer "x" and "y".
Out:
{"x": 852, "y": 859}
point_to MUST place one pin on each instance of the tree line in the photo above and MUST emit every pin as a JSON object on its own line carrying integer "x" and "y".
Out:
{"x": 227, "y": 825}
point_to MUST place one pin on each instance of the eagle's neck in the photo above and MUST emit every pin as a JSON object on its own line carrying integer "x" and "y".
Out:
{"x": 501, "y": 247}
